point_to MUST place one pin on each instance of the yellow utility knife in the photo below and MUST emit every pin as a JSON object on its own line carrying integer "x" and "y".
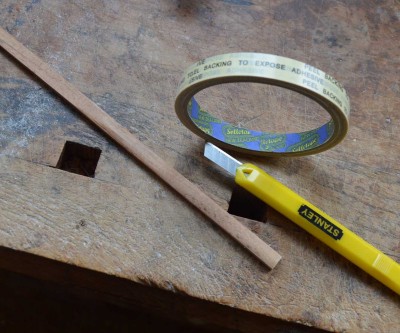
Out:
{"x": 310, "y": 218}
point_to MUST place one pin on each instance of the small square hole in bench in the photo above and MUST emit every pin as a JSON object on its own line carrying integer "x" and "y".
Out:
{"x": 79, "y": 159}
{"x": 245, "y": 204}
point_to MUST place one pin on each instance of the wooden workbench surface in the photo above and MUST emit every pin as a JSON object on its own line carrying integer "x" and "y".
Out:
{"x": 128, "y": 56}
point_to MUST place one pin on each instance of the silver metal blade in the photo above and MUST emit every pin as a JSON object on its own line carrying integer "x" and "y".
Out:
{"x": 221, "y": 158}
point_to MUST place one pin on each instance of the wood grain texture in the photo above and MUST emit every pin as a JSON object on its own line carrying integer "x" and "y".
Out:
{"x": 128, "y": 58}
{"x": 138, "y": 150}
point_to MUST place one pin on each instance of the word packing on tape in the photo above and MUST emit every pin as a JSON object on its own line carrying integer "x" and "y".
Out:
{"x": 267, "y": 69}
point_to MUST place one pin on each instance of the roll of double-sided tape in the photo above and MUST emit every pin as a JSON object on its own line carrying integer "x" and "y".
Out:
{"x": 267, "y": 69}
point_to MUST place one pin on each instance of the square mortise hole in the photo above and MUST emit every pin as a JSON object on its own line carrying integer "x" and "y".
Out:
{"x": 247, "y": 205}
{"x": 79, "y": 159}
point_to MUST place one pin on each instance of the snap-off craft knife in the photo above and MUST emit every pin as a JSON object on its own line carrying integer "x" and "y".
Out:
{"x": 310, "y": 218}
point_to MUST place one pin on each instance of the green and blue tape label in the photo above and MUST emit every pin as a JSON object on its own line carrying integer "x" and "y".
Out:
{"x": 257, "y": 140}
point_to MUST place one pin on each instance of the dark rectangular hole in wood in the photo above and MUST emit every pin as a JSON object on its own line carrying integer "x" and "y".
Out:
{"x": 79, "y": 159}
{"x": 245, "y": 204}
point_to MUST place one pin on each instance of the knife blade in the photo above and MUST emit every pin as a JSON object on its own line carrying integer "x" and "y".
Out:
{"x": 309, "y": 217}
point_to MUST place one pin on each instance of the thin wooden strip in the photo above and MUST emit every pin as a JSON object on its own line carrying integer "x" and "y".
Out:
{"x": 128, "y": 141}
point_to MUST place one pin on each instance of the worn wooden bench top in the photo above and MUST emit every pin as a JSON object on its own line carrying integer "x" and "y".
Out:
{"x": 127, "y": 228}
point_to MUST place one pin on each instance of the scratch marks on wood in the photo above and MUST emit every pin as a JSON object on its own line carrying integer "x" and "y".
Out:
{"x": 238, "y": 2}
{"x": 28, "y": 112}
{"x": 29, "y": 6}
{"x": 34, "y": 240}
{"x": 19, "y": 13}
{"x": 334, "y": 38}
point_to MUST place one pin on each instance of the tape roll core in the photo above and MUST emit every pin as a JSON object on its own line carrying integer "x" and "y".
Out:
{"x": 268, "y": 69}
